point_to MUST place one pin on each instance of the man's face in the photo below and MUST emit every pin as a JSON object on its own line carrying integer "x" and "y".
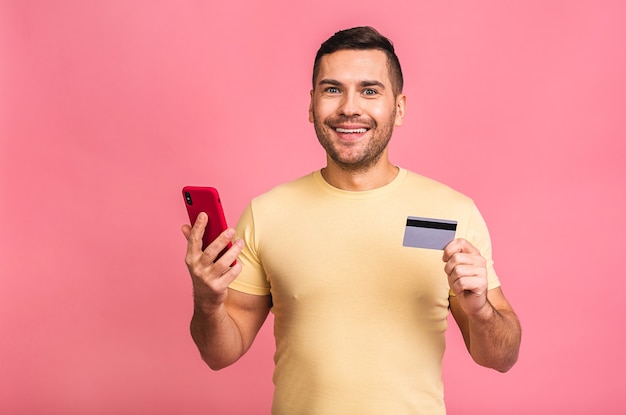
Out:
{"x": 353, "y": 107}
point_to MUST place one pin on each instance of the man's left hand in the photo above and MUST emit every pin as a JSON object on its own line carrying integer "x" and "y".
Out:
{"x": 467, "y": 276}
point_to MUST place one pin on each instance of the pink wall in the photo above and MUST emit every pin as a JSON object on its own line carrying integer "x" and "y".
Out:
{"x": 108, "y": 108}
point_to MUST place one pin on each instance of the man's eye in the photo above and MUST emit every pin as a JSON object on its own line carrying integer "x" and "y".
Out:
{"x": 370, "y": 91}
{"x": 332, "y": 90}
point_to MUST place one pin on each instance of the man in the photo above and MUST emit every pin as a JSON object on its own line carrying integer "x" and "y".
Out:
{"x": 360, "y": 308}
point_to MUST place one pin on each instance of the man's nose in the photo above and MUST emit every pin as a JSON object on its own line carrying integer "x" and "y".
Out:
{"x": 350, "y": 105}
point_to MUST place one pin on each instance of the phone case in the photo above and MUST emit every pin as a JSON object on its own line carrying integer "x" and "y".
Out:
{"x": 206, "y": 199}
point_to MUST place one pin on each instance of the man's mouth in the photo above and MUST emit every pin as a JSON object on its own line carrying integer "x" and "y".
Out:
{"x": 351, "y": 130}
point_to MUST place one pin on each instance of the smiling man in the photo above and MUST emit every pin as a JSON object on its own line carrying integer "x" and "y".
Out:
{"x": 355, "y": 110}
{"x": 360, "y": 262}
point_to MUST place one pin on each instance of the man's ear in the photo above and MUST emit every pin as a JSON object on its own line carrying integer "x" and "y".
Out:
{"x": 311, "y": 106}
{"x": 400, "y": 109}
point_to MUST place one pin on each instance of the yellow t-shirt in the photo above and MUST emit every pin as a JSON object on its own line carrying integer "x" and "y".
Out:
{"x": 359, "y": 319}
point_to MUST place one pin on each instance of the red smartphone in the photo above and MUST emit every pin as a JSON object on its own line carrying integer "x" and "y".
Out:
{"x": 207, "y": 200}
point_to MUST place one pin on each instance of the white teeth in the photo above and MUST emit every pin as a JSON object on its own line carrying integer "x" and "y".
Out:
{"x": 351, "y": 131}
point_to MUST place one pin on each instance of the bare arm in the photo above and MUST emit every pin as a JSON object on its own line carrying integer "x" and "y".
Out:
{"x": 225, "y": 322}
{"x": 490, "y": 328}
{"x": 493, "y": 339}
{"x": 225, "y": 333}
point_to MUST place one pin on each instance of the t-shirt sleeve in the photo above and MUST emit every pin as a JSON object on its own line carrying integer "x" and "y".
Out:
{"x": 252, "y": 279}
{"x": 478, "y": 235}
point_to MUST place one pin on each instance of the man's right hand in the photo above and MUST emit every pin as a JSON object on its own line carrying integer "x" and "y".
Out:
{"x": 225, "y": 321}
{"x": 210, "y": 279}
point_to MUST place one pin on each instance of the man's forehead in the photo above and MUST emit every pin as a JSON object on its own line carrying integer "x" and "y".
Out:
{"x": 354, "y": 65}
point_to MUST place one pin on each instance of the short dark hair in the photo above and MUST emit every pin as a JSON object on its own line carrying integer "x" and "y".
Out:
{"x": 362, "y": 38}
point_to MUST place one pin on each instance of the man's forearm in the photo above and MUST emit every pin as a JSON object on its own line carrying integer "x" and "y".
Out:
{"x": 495, "y": 339}
{"x": 217, "y": 336}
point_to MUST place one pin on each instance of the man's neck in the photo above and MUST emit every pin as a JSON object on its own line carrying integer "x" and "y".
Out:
{"x": 376, "y": 176}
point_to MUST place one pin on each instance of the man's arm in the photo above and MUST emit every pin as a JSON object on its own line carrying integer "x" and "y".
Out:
{"x": 490, "y": 328}
{"x": 225, "y": 322}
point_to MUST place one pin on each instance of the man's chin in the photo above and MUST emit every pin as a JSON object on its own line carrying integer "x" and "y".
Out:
{"x": 353, "y": 163}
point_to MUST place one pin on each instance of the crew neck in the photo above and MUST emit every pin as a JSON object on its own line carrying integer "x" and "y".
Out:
{"x": 359, "y": 194}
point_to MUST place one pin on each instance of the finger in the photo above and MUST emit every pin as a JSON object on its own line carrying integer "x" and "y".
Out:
{"x": 213, "y": 280}
{"x": 456, "y": 246}
{"x": 222, "y": 283}
{"x": 228, "y": 261}
{"x": 476, "y": 284}
{"x": 186, "y": 230}
{"x": 213, "y": 250}
{"x": 466, "y": 270}
{"x": 227, "y": 268}
{"x": 195, "y": 234}
{"x": 461, "y": 259}
{"x": 230, "y": 256}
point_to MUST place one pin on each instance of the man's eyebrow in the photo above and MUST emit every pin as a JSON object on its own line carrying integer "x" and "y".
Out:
{"x": 332, "y": 82}
{"x": 372, "y": 83}
{"x": 362, "y": 84}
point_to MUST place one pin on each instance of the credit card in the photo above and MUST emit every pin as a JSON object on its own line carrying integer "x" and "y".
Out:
{"x": 428, "y": 233}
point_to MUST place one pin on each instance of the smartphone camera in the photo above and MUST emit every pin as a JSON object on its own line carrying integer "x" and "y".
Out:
{"x": 188, "y": 198}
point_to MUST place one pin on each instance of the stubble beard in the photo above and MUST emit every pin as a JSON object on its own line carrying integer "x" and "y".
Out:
{"x": 364, "y": 159}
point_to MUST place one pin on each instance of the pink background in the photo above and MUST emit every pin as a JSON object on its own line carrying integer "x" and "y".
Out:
{"x": 108, "y": 108}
